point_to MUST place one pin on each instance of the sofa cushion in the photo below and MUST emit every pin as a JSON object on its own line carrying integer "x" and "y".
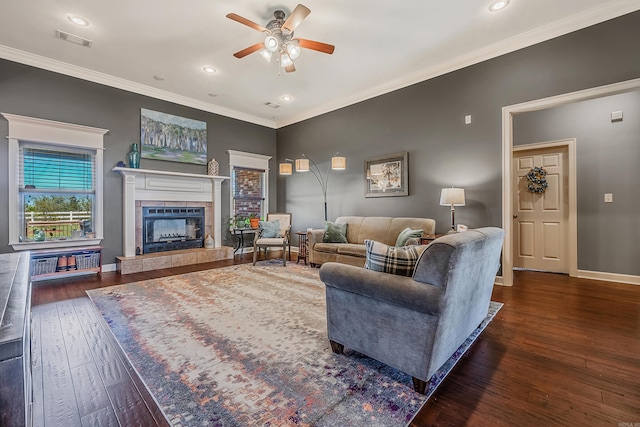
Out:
{"x": 352, "y": 249}
{"x": 270, "y": 228}
{"x": 327, "y": 247}
{"x": 391, "y": 259}
{"x": 335, "y": 233}
{"x": 406, "y": 234}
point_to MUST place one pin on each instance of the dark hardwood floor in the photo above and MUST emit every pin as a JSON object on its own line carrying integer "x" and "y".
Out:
{"x": 561, "y": 352}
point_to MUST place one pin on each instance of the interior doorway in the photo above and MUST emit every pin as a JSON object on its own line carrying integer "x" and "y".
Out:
{"x": 544, "y": 216}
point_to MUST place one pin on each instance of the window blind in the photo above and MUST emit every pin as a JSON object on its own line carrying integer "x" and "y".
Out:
{"x": 62, "y": 169}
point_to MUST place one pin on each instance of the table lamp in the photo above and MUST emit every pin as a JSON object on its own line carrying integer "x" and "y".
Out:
{"x": 452, "y": 197}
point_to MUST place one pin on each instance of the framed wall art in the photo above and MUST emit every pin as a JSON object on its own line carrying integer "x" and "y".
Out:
{"x": 387, "y": 176}
{"x": 173, "y": 138}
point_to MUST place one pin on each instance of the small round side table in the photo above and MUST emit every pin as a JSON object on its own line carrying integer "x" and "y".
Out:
{"x": 302, "y": 246}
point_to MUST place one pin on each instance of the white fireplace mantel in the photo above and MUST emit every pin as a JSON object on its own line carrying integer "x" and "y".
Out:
{"x": 146, "y": 184}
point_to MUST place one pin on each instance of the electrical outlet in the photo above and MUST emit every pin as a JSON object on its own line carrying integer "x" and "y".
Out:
{"x": 608, "y": 198}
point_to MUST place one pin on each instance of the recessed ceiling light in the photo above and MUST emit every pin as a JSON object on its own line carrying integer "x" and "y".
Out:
{"x": 209, "y": 69}
{"x": 78, "y": 20}
{"x": 286, "y": 98}
{"x": 498, "y": 5}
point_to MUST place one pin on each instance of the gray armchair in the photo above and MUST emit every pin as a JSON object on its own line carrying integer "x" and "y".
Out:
{"x": 282, "y": 241}
{"x": 415, "y": 323}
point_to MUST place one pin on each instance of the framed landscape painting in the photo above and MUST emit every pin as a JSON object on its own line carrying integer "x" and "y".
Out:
{"x": 173, "y": 138}
{"x": 387, "y": 176}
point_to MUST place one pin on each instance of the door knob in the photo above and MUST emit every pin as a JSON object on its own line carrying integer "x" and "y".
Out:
{"x": 515, "y": 215}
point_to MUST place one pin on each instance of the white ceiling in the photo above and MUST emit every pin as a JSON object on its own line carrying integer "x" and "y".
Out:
{"x": 380, "y": 46}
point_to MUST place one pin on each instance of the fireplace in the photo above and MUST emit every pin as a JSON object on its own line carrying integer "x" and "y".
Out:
{"x": 172, "y": 228}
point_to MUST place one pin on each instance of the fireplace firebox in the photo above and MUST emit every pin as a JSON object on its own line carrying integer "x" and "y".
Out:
{"x": 172, "y": 228}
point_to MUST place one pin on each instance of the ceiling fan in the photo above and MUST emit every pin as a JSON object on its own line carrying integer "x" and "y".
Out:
{"x": 279, "y": 38}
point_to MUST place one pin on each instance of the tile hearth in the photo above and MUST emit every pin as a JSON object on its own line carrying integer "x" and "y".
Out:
{"x": 159, "y": 260}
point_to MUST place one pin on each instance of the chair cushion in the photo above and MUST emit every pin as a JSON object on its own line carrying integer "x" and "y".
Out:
{"x": 407, "y": 234}
{"x": 270, "y": 241}
{"x": 270, "y": 228}
{"x": 335, "y": 233}
{"x": 391, "y": 259}
{"x": 327, "y": 247}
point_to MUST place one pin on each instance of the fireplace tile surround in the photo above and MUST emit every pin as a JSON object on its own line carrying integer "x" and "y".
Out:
{"x": 151, "y": 188}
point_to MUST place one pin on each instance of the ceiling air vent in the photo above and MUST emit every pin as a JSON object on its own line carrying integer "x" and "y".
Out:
{"x": 271, "y": 105}
{"x": 73, "y": 38}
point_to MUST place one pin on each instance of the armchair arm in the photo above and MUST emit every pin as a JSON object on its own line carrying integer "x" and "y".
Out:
{"x": 398, "y": 290}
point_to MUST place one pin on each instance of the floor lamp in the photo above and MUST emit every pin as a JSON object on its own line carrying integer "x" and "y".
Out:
{"x": 306, "y": 164}
{"x": 452, "y": 197}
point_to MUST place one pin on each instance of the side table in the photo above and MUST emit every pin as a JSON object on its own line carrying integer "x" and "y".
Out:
{"x": 302, "y": 246}
{"x": 425, "y": 240}
{"x": 239, "y": 233}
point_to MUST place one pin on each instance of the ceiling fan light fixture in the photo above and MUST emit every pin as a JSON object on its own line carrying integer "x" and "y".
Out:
{"x": 271, "y": 43}
{"x": 266, "y": 55}
{"x": 293, "y": 50}
{"x": 285, "y": 60}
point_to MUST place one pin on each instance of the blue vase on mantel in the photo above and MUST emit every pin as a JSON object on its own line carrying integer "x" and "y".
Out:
{"x": 134, "y": 157}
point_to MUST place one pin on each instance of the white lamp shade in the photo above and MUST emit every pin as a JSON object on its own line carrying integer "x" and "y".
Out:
{"x": 271, "y": 43}
{"x": 285, "y": 61}
{"x": 286, "y": 168}
{"x": 302, "y": 165}
{"x": 293, "y": 50}
{"x": 452, "y": 196}
{"x": 266, "y": 55}
{"x": 338, "y": 163}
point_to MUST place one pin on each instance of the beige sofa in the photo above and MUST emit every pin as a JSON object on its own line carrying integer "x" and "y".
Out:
{"x": 359, "y": 228}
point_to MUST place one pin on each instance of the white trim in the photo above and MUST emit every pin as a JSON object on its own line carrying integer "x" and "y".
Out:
{"x": 572, "y": 236}
{"x": 119, "y": 83}
{"x": 609, "y": 277}
{"x": 244, "y": 159}
{"x": 23, "y": 128}
{"x": 70, "y": 243}
{"x": 507, "y": 143}
{"x": 109, "y": 267}
{"x": 576, "y": 22}
{"x": 593, "y": 16}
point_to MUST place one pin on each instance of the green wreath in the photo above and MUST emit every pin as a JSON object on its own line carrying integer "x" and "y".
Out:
{"x": 537, "y": 181}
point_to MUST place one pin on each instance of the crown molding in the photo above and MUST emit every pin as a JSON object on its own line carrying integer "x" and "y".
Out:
{"x": 555, "y": 29}
{"x": 60, "y": 67}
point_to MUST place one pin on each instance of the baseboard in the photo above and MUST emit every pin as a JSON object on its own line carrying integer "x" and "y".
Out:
{"x": 108, "y": 267}
{"x": 499, "y": 281}
{"x": 609, "y": 277}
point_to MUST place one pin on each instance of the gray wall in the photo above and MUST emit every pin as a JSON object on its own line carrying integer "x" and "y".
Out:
{"x": 607, "y": 155}
{"x": 427, "y": 121}
{"x": 33, "y": 92}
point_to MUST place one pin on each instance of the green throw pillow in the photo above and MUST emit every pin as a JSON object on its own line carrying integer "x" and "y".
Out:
{"x": 407, "y": 234}
{"x": 390, "y": 259}
{"x": 270, "y": 228}
{"x": 335, "y": 233}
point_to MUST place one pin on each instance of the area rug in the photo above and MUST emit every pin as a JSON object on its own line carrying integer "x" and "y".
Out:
{"x": 247, "y": 346}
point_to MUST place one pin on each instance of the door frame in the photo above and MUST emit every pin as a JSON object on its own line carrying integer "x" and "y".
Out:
{"x": 507, "y": 154}
{"x": 572, "y": 221}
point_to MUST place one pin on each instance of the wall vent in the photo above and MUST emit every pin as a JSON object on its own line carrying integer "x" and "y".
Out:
{"x": 271, "y": 105}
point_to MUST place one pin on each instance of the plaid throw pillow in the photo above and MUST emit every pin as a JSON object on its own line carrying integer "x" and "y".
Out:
{"x": 391, "y": 259}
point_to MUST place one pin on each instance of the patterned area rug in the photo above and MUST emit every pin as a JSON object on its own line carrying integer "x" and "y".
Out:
{"x": 247, "y": 346}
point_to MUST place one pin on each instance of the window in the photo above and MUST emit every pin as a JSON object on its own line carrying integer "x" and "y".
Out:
{"x": 249, "y": 193}
{"x": 55, "y": 176}
{"x": 249, "y": 184}
{"x": 57, "y": 192}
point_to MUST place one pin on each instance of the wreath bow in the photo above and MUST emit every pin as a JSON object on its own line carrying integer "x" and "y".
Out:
{"x": 537, "y": 181}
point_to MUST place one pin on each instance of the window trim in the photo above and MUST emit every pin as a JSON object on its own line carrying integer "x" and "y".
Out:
{"x": 23, "y": 128}
{"x": 241, "y": 159}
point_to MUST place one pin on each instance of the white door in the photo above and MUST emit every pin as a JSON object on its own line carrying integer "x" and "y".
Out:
{"x": 540, "y": 220}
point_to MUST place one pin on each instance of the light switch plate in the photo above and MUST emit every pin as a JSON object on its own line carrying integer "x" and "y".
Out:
{"x": 616, "y": 116}
{"x": 467, "y": 119}
{"x": 608, "y": 198}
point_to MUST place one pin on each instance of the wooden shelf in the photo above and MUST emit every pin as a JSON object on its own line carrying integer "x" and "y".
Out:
{"x": 92, "y": 251}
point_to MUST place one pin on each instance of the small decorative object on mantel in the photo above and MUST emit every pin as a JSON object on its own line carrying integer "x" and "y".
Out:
{"x": 213, "y": 168}
{"x": 121, "y": 164}
{"x": 537, "y": 181}
{"x": 134, "y": 157}
{"x": 208, "y": 242}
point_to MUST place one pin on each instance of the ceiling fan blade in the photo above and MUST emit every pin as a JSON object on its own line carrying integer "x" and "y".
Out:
{"x": 247, "y": 51}
{"x": 247, "y": 22}
{"x": 296, "y": 17}
{"x": 290, "y": 68}
{"x": 319, "y": 46}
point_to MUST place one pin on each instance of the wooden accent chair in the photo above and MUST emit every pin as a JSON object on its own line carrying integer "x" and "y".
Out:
{"x": 263, "y": 241}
